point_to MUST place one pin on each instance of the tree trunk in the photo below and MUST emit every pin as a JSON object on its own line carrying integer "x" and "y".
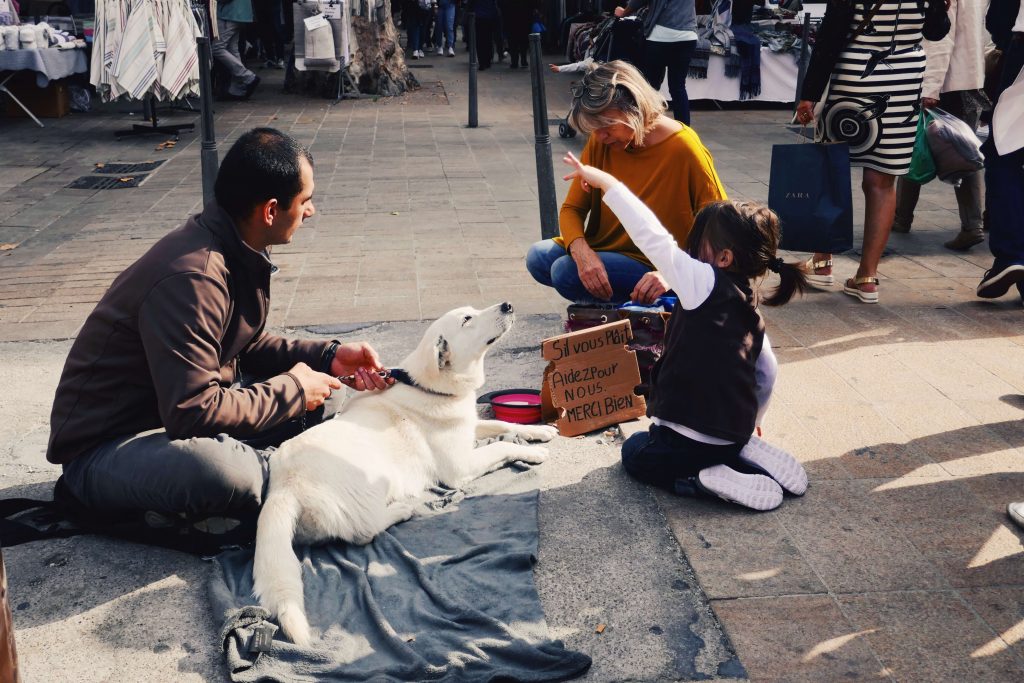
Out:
{"x": 378, "y": 61}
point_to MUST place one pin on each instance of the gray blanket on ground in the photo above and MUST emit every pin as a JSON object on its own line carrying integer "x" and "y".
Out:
{"x": 446, "y": 596}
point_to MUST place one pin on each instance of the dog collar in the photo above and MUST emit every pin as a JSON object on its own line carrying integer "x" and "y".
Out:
{"x": 403, "y": 377}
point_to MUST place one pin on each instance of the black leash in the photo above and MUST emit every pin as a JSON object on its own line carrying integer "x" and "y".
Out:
{"x": 400, "y": 375}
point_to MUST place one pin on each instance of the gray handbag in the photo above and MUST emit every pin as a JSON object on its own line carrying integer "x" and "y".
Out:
{"x": 955, "y": 148}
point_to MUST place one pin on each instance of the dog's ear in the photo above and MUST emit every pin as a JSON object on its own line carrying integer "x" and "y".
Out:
{"x": 444, "y": 355}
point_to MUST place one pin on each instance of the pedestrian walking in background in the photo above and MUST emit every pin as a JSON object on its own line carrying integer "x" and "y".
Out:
{"x": 413, "y": 15}
{"x": 869, "y": 56}
{"x": 953, "y": 79}
{"x": 1004, "y": 175}
{"x": 517, "y": 17}
{"x": 232, "y": 16}
{"x": 430, "y": 37}
{"x": 270, "y": 25}
{"x": 670, "y": 28}
{"x": 486, "y": 18}
{"x": 444, "y": 28}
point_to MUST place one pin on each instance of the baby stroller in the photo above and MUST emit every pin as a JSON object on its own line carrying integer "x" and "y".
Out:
{"x": 608, "y": 40}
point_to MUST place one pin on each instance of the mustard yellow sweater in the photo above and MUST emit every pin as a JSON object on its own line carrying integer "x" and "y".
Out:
{"x": 675, "y": 178}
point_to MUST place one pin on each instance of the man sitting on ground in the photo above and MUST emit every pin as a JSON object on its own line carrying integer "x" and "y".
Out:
{"x": 152, "y": 412}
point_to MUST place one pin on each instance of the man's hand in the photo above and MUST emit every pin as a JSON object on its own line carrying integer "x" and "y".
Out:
{"x": 361, "y": 360}
{"x": 929, "y": 102}
{"x": 316, "y": 386}
{"x": 651, "y": 286}
{"x": 591, "y": 269}
{"x": 554, "y": 68}
{"x": 621, "y": 12}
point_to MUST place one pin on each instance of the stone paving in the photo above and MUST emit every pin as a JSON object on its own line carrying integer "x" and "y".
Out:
{"x": 898, "y": 564}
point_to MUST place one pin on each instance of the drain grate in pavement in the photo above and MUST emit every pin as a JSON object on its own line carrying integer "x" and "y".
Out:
{"x": 420, "y": 66}
{"x": 124, "y": 168}
{"x": 99, "y": 182}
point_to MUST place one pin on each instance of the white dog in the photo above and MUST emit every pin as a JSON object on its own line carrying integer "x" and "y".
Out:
{"x": 354, "y": 476}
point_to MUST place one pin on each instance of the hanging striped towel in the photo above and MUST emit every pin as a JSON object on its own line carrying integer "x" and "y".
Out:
{"x": 180, "y": 75}
{"x": 135, "y": 67}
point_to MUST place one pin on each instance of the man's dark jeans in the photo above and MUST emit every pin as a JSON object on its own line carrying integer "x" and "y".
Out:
{"x": 1004, "y": 183}
{"x": 201, "y": 477}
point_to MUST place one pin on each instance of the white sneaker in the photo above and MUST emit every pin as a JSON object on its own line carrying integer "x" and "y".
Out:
{"x": 1016, "y": 512}
{"x": 451, "y": 52}
{"x": 440, "y": 51}
{"x": 415, "y": 54}
{"x": 754, "y": 491}
{"x": 777, "y": 464}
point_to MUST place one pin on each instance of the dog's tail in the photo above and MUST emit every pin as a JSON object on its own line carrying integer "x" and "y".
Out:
{"x": 277, "y": 574}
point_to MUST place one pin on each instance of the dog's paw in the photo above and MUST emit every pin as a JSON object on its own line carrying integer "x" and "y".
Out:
{"x": 401, "y": 511}
{"x": 533, "y": 455}
{"x": 542, "y": 433}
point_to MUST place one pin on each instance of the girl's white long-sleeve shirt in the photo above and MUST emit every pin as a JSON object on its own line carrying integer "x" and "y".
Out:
{"x": 582, "y": 65}
{"x": 692, "y": 282}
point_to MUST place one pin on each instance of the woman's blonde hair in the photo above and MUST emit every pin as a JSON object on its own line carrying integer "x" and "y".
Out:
{"x": 618, "y": 86}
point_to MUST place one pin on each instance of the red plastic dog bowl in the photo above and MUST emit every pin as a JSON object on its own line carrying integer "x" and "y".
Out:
{"x": 521, "y": 406}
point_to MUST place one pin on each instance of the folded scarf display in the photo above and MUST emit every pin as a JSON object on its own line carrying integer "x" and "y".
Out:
{"x": 713, "y": 37}
{"x": 699, "y": 60}
{"x": 749, "y": 49}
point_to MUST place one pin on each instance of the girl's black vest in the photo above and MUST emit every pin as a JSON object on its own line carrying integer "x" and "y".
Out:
{"x": 705, "y": 379}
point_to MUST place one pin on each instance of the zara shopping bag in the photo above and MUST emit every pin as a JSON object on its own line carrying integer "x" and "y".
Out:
{"x": 809, "y": 188}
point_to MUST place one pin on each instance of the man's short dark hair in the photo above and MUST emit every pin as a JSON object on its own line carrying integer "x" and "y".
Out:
{"x": 263, "y": 164}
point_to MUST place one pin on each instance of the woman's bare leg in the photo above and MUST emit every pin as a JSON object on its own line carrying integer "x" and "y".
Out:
{"x": 879, "y": 212}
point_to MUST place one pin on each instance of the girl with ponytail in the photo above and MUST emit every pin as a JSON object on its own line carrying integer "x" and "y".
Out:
{"x": 711, "y": 386}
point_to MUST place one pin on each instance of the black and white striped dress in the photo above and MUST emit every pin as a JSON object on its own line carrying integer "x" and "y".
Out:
{"x": 875, "y": 92}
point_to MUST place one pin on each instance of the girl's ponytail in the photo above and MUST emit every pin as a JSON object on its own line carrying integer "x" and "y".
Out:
{"x": 751, "y": 231}
{"x": 793, "y": 279}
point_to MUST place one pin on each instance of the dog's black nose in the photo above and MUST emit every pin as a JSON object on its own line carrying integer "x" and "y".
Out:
{"x": 506, "y": 307}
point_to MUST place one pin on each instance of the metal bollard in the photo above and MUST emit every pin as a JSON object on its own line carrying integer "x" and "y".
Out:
{"x": 542, "y": 146}
{"x": 208, "y": 148}
{"x": 474, "y": 65}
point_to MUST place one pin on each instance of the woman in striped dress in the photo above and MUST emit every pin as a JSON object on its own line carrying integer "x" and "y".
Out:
{"x": 869, "y": 55}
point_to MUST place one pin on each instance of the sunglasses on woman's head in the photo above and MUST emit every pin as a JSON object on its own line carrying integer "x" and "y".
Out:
{"x": 592, "y": 92}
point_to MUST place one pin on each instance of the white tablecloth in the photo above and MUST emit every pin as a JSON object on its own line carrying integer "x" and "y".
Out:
{"x": 778, "y": 80}
{"x": 49, "y": 63}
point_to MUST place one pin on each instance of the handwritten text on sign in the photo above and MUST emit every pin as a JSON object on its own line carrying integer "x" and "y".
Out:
{"x": 591, "y": 378}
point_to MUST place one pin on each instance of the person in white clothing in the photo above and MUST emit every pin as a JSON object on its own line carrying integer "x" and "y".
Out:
{"x": 953, "y": 81}
{"x": 711, "y": 387}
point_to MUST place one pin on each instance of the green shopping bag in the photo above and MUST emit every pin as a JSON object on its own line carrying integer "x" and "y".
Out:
{"x": 922, "y": 165}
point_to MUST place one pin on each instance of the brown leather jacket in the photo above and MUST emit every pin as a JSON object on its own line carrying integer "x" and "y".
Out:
{"x": 164, "y": 344}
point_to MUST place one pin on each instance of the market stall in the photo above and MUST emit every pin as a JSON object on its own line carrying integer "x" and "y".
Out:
{"x": 46, "y": 52}
{"x": 780, "y": 33}
{"x": 779, "y": 73}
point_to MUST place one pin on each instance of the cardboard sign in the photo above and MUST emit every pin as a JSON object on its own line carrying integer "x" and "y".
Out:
{"x": 591, "y": 378}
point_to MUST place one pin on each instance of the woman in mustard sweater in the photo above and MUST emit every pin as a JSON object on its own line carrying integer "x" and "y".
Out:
{"x": 659, "y": 159}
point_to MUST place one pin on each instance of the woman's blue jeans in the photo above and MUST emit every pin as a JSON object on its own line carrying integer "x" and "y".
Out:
{"x": 445, "y": 24}
{"x": 550, "y": 265}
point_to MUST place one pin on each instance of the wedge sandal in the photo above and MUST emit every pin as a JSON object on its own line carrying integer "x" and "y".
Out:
{"x": 819, "y": 280}
{"x": 852, "y": 287}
